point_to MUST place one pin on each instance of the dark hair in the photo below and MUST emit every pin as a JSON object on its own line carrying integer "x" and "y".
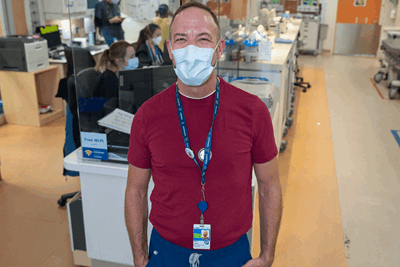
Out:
{"x": 146, "y": 34}
{"x": 111, "y": 56}
{"x": 163, "y": 10}
{"x": 198, "y": 5}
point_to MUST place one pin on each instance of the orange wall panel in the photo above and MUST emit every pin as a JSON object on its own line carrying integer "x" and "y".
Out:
{"x": 347, "y": 12}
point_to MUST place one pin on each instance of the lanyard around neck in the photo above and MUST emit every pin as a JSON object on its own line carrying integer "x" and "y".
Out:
{"x": 185, "y": 134}
{"x": 154, "y": 58}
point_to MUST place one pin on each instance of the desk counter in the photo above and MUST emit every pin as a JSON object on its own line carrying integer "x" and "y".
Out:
{"x": 103, "y": 187}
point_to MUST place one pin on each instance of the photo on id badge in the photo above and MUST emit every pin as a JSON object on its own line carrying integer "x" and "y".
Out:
{"x": 205, "y": 236}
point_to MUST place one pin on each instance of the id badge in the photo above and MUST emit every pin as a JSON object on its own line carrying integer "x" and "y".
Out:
{"x": 201, "y": 236}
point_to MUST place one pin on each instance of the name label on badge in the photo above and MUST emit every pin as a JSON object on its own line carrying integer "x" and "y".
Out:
{"x": 201, "y": 236}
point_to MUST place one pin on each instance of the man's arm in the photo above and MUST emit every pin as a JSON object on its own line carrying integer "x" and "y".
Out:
{"x": 136, "y": 213}
{"x": 270, "y": 205}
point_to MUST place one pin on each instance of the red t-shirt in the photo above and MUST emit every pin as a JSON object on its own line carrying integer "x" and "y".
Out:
{"x": 242, "y": 135}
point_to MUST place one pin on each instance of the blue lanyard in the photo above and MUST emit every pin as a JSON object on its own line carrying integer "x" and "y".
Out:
{"x": 151, "y": 54}
{"x": 207, "y": 149}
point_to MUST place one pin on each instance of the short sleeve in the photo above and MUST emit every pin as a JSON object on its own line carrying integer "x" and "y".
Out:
{"x": 139, "y": 153}
{"x": 264, "y": 147}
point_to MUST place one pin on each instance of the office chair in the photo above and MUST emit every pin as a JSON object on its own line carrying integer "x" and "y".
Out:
{"x": 86, "y": 82}
{"x": 83, "y": 57}
{"x": 80, "y": 86}
{"x": 300, "y": 80}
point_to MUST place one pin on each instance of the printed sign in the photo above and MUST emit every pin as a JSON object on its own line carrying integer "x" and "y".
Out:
{"x": 264, "y": 50}
{"x": 360, "y": 2}
{"x": 94, "y": 145}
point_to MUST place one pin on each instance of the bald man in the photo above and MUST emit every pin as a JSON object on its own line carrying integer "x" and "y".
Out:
{"x": 200, "y": 139}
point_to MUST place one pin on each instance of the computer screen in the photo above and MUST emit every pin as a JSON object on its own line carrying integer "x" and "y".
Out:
{"x": 92, "y": 3}
{"x": 52, "y": 35}
{"x": 137, "y": 86}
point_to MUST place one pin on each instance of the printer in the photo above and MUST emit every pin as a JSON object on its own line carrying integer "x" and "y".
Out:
{"x": 23, "y": 53}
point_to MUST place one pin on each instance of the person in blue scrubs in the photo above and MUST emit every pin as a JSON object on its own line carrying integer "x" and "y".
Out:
{"x": 108, "y": 19}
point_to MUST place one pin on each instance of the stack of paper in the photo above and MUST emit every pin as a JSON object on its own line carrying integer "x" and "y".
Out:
{"x": 118, "y": 120}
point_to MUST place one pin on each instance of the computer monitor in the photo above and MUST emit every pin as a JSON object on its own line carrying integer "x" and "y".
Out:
{"x": 137, "y": 86}
{"x": 52, "y": 35}
{"x": 92, "y": 3}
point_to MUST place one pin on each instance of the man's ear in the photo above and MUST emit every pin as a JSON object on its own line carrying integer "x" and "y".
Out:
{"x": 169, "y": 44}
{"x": 220, "y": 48}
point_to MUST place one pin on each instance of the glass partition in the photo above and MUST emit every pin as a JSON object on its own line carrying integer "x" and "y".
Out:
{"x": 260, "y": 44}
{"x": 109, "y": 87}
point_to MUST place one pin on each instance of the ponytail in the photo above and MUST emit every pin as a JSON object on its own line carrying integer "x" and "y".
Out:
{"x": 101, "y": 65}
{"x": 110, "y": 59}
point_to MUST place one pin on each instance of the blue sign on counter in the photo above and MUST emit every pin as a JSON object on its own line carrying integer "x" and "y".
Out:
{"x": 94, "y": 145}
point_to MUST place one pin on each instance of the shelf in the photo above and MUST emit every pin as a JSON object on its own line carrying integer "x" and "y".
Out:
{"x": 25, "y": 90}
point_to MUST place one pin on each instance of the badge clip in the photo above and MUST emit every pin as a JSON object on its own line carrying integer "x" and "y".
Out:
{"x": 189, "y": 152}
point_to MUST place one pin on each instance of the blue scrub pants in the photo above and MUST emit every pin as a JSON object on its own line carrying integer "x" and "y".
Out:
{"x": 109, "y": 33}
{"x": 166, "y": 254}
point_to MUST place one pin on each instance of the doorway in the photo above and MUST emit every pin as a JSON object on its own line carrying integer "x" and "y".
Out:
{"x": 357, "y": 27}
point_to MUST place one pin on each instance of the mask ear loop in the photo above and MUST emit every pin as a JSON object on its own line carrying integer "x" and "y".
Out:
{"x": 214, "y": 51}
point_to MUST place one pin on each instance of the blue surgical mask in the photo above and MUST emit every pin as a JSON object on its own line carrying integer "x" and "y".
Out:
{"x": 133, "y": 64}
{"x": 115, "y": 2}
{"x": 193, "y": 64}
{"x": 157, "y": 40}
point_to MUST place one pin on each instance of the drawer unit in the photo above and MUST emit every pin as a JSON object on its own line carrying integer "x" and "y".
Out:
{"x": 311, "y": 30}
{"x": 309, "y": 44}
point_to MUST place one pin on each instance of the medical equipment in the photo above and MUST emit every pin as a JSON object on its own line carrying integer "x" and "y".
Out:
{"x": 390, "y": 66}
{"x": 266, "y": 17}
{"x": 250, "y": 50}
{"x": 268, "y": 92}
{"x": 231, "y": 50}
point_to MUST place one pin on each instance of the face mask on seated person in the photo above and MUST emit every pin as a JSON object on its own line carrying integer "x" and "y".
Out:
{"x": 193, "y": 64}
{"x": 157, "y": 40}
{"x": 133, "y": 64}
{"x": 115, "y": 2}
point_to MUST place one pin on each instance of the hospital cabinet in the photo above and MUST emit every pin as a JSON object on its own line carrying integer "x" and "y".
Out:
{"x": 309, "y": 32}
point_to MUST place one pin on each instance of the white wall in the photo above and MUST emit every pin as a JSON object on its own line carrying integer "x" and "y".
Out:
{"x": 330, "y": 19}
{"x": 386, "y": 8}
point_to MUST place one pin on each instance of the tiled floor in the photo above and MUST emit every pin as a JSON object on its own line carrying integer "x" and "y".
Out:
{"x": 34, "y": 230}
{"x": 364, "y": 157}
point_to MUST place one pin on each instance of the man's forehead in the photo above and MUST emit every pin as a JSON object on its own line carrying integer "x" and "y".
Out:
{"x": 194, "y": 20}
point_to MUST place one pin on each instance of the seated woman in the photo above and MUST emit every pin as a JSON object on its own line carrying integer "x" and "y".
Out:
{"x": 147, "y": 49}
{"x": 120, "y": 56}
